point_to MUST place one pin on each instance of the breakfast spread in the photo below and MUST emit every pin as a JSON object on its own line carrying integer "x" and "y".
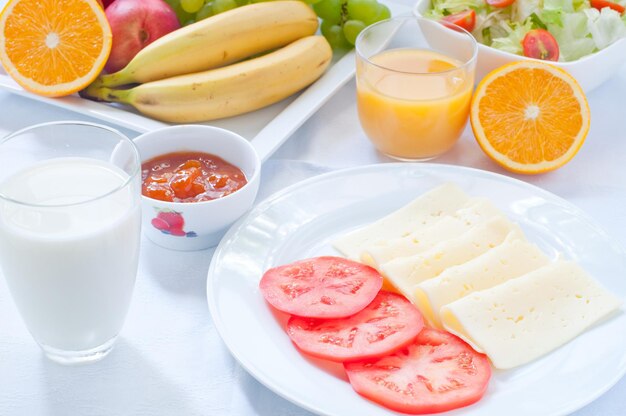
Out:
{"x": 190, "y": 177}
{"x": 419, "y": 308}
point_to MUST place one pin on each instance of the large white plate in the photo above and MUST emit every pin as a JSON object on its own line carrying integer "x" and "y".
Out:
{"x": 267, "y": 128}
{"x": 302, "y": 220}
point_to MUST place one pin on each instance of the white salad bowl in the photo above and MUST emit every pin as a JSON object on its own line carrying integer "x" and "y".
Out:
{"x": 204, "y": 222}
{"x": 590, "y": 71}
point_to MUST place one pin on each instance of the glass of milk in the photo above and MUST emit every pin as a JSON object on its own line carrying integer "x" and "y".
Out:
{"x": 69, "y": 234}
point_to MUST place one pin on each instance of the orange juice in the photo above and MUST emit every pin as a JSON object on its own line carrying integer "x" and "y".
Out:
{"x": 413, "y": 103}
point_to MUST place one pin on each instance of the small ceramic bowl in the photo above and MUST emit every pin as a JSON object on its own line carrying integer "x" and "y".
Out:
{"x": 203, "y": 223}
{"x": 590, "y": 71}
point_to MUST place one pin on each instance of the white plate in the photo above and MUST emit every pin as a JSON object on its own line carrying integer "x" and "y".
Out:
{"x": 267, "y": 128}
{"x": 302, "y": 220}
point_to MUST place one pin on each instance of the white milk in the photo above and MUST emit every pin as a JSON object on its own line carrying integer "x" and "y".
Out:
{"x": 70, "y": 269}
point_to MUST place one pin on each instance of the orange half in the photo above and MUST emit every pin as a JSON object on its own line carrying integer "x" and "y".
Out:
{"x": 530, "y": 116}
{"x": 54, "y": 47}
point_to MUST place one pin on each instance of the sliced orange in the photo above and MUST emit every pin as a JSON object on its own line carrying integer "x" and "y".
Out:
{"x": 54, "y": 47}
{"x": 530, "y": 116}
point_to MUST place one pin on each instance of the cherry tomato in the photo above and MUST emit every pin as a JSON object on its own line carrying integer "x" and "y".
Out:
{"x": 388, "y": 323}
{"x": 321, "y": 287}
{"x": 466, "y": 19}
{"x": 436, "y": 373}
{"x": 601, "y": 4}
{"x": 500, "y": 3}
{"x": 540, "y": 44}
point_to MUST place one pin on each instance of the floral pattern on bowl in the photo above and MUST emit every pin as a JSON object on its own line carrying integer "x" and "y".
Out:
{"x": 171, "y": 223}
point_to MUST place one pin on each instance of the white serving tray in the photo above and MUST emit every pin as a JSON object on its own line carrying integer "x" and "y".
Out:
{"x": 267, "y": 128}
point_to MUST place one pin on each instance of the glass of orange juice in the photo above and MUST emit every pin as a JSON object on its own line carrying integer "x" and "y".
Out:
{"x": 414, "y": 85}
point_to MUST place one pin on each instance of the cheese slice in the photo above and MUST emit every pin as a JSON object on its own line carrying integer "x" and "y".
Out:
{"x": 476, "y": 211}
{"x": 422, "y": 211}
{"x": 406, "y": 272}
{"x": 525, "y": 318}
{"x": 510, "y": 259}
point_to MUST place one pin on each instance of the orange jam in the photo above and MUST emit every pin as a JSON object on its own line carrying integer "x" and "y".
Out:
{"x": 190, "y": 177}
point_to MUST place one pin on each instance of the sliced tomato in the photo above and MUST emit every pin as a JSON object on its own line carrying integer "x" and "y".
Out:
{"x": 321, "y": 287}
{"x": 388, "y": 323}
{"x": 500, "y": 3}
{"x": 601, "y": 4}
{"x": 540, "y": 44}
{"x": 465, "y": 19}
{"x": 436, "y": 373}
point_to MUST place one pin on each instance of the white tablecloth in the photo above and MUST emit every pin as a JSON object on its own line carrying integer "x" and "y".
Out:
{"x": 169, "y": 359}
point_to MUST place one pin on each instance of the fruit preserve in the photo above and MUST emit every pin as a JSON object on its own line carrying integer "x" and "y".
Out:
{"x": 190, "y": 177}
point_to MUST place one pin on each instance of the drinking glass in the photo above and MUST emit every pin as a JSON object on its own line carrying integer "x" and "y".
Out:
{"x": 415, "y": 78}
{"x": 69, "y": 234}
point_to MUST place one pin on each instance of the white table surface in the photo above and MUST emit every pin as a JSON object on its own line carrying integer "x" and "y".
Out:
{"x": 169, "y": 359}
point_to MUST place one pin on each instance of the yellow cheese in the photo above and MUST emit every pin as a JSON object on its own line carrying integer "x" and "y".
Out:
{"x": 527, "y": 317}
{"x": 476, "y": 211}
{"x": 406, "y": 272}
{"x": 421, "y": 212}
{"x": 510, "y": 259}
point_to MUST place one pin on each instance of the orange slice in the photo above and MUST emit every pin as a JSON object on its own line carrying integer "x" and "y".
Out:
{"x": 54, "y": 47}
{"x": 530, "y": 117}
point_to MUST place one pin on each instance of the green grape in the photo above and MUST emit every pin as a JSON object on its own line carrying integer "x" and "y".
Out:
{"x": 383, "y": 13}
{"x": 351, "y": 30}
{"x": 363, "y": 10}
{"x": 311, "y": 2}
{"x": 329, "y": 10}
{"x": 220, "y": 6}
{"x": 334, "y": 35}
{"x": 191, "y": 6}
{"x": 205, "y": 11}
{"x": 242, "y": 2}
{"x": 182, "y": 15}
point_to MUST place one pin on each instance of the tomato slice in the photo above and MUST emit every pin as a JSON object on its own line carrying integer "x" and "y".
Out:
{"x": 388, "y": 323}
{"x": 601, "y": 4}
{"x": 540, "y": 44}
{"x": 465, "y": 19}
{"x": 500, "y": 3}
{"x": 321, "y": 287}
{"x": 436, "y": 373}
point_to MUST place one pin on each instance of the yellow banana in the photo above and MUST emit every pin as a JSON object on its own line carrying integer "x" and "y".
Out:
{"x": 217, "y": 41}
{"x": 227, "y": 91}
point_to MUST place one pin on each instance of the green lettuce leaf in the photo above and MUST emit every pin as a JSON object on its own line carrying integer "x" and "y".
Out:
{"x": 440, "y": 8}
{"x": 512, "y": 42}
{"x": 523, "y": 9}
{"x": 573, "y": 36}
{"x": 606, "y": 26}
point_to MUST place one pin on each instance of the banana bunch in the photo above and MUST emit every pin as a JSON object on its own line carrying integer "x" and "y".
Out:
{"x": 201, "y": 72}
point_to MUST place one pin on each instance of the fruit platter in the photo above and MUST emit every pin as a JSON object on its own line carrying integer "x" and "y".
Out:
{"x": 312, "y": 207}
